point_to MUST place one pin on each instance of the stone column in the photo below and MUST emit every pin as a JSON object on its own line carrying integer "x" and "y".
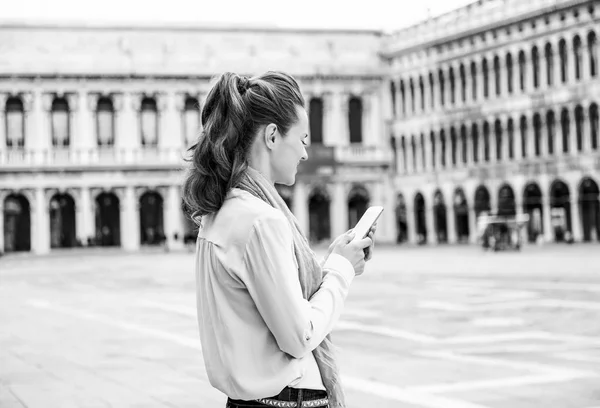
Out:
{"x": 505, "y": 137}
{"x": 40, "y": 226}
{"x": 469, "y": 141}
{"x": 436, "y": 92}
{"x": 448, "y": 148}
{"x": 570, "y": 62}
{"x": 411, "y": 221}
{"x": 300, "y": 207}
{"x": 170, "y": 137}
{"x": 85, "y": 216}
{"x": 556, "y": 80}
{"x": 428, "y": 152}
{"x": 37, "y": 129}
{"x": 543, "y": 78}
{"x": 492, "y": 140}
{"x": 472, "y": 225}
{"x": 128, "y": 135}
{"x": 518, "y": 189}
{"x": 130, "y": 220}
{"x": 480, "y": 77}
{"x": 481, "y": 143}
{"x": 548, "y": 232}
{"x": 585, "y": 58}
{"x": 575, "y": 213}
{"x": 502, "y": 80}
{"x": 173, "y": 219}
{"x": 586, "y": 129}
{"x": 426, "y": 93}
{"x": 339, "y": 207}
{"x": 451, "y": 220}
{"x": 85, "y": 123}
{"x": 530, "y": 135}
{"x": 431, "y": 233}
{"x": 2, "y": 197}
{"x": 517, "y": 138}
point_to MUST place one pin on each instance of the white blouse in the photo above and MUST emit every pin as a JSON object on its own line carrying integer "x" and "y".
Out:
{"x": 257, "y": 330}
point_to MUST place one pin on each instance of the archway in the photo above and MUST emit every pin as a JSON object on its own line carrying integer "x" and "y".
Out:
{"x": 461, "y": 213}
{"x": 560, "y": 209}
{"x": 358, "y": 202}
{"x": 439, "y": 211}
{"x": 590, "y": 209}
{"x": 17, "y": 224}
{"x": 401, "y": 220}
{"x": 420, "y": 220}
{"x": 152, "y": 230}
{"x": 62, "y": 221}
{"x": 318, "y": 214}
{"x": 506, "y": 201}
{"x": 532, "y": 205}
{"x": 108, "y": 220}
{"x": 482, "y": 201}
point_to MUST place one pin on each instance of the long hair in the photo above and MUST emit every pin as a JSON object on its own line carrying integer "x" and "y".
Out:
{"x": 235, "y": 108}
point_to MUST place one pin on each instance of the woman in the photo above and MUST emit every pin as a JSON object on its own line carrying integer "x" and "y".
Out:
{"x": 266, "y": 306}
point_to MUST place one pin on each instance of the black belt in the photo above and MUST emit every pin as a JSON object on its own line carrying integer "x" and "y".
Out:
{"x": 294, "y": 398}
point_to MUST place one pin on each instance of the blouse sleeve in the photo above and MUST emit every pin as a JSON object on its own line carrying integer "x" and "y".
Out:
{"x": 298, "y": 325}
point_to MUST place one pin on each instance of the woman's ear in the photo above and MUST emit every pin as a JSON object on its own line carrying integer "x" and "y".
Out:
{"x": 270, "y": 135}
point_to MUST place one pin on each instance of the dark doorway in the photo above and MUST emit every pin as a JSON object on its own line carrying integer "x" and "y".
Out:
{"x": 17, "y": 224}
{"x": 461, "y": 212}
{"x": 420, "y": 220}
{"x": 506, "y": 201}
{"x": 532, "y": 205}
{"x": 151, "y": 219}
{"x": 401, "y": 220}
{"x": 108, "y": 220}
{"x": 560, "y": 209}
{"x": 358, "y": 202}
{"x": 590, "y": 209}
{"x": 62, "y": 221}
{"x": 482, "y": 201}
{"x": 318, "y": 212}
{"x": 440, "y": 222}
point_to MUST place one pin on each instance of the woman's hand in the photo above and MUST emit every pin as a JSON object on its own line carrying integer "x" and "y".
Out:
{"x": 353, "y": 251}
{"x": 369, "y": 250}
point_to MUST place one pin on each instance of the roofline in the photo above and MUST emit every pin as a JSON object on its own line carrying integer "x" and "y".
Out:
{"x": 175, "y": 26}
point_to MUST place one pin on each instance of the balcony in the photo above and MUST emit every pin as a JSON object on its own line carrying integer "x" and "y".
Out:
{"x": 363, "y": 155}
{"x": 65, "y": 158}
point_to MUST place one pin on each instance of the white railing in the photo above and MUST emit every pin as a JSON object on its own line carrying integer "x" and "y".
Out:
{"x": 363, "y": 154}
{"x": 98, "y": 157}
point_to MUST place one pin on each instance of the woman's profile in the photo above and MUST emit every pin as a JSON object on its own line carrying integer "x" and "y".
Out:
{"x": 266, "y": 304}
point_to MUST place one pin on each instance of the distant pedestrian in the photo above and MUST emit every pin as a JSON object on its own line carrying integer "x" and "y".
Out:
{"x": 266, "y": 305}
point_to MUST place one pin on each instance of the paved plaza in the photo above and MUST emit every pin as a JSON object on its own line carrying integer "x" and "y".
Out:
{"x": 447, "y": 327}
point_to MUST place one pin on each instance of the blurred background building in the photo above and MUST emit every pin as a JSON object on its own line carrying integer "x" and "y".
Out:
{"x": 492, "y": 107}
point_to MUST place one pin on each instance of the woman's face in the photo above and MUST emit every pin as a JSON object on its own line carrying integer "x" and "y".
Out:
{"x": 289, "y": 150}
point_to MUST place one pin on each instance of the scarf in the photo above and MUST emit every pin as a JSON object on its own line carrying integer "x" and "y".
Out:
{"x": 310, "y": 274}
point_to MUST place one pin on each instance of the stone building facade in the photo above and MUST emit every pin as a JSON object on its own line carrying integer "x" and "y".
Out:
{"x": 494, "y": 108}
{"x": 490, "y": 108}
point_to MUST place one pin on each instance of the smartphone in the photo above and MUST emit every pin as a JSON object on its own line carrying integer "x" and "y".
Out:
{"x": 363, "y": 226}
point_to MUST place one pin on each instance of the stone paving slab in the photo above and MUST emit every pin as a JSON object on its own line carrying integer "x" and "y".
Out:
{"x": 448, "y": 327}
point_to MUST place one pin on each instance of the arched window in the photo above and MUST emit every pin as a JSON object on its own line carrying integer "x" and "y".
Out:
{"x": 422, "y": 93}
{"x": 463, "y": 83}
{"x": 393, "y": 97}
{"x": 316, "y": 120}
{"x": 498, "y": 137}
{"x": 105, "y": 122}
{"x": 412, "y": 95}
{"x": 577, "y": 55}
{"x": 355, "y": 113}
{"x": 475, "y": 141}
{"x": 593, "y": 53}
{"x": 452, "y": 86}
{"x": 537, "y": 134}
{"x": 579, "y": 127}
{"x": 474, "y": 81}
{"x": 191, "y": 120}
{"x": 404, "y": 153}
{"x": 510, "y": 130}
{"x": 486, "y": 79}
{"x": 535, "y": 65}
{"x": 463, "y": 143}
{"x": 60, "y": 122}
{"x": 509, "y": 72}
{"x": 413, "y": 151}
{"x": 149, "y": 122}
{"x": 497, "y": 75}
{"x": 423, "y": 152}
{"x": 403, "y": 97}
{"x": 551, "y": 131}
{"x": 594, "y": 125}
{"x": 442, "y": 86}
{"x": 453, "y": 146}
{"x": 443, "y": 147}
{"x": 549, "y": 64}
{"x": 522, "y": 70}
{"x": 486, "y": 141}
{"x": 432, "y": 140}
{"x": 15, "y": 123}
{"x": 562, "y": 52}
{"x": 432, "y": 90}
{"x": 565, "y": 128}
{"x": 523, "y": 131}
